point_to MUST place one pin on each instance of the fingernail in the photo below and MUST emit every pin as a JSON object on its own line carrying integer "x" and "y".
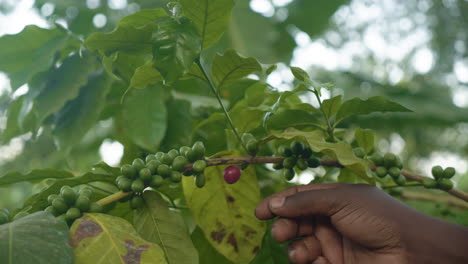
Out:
{"x": 276, "y": 203}
{"x": 292, "y": 255}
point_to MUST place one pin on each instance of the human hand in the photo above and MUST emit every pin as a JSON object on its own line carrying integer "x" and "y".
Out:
{"x": 347, "y": 223}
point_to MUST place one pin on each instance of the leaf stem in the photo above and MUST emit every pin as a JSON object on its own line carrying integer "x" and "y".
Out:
{"x": 215, "y": 91}
{"x": 329, "y": 126}
{"x": 113, "y": 197}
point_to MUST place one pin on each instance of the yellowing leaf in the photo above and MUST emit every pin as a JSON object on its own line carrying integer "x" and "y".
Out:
{"x": 225, "y": 211}
{"x": 101, "y": 238}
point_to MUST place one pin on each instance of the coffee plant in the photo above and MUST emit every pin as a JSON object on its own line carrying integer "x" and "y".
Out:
{"x": 173, "y": 201}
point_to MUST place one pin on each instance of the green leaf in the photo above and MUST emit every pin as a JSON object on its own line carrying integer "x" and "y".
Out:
{"x": 230, "y": 67}
{"x": 206, "y": 252}
{"x": 293, "y": 118}
{"x": 365, "y": 139}
{"x": 211, "y": 18}
{"x": 178, "y": 131}
{"x": 246, "y": 118}
{"x": 33, "y": 176}
{"x": 331, "y": 106}
{"x": 348, "y": 176}
{"x": 101, "y": 238}
{"x": 340, "y": 151}
{"x": 62, "y": 84}
{"x": 145, "y": 75}
{"x": 300, "y": 74}
{"x": 104, "y": 167}
{"x": 13, "y": 127}
{"x": 125, "y": 38}
{"x": 144, "y": 17}
{"x": 29, "y": 52}
{"x": 38, "y": 201}
{"x": 357, "y": 106}
{"x": 36, "y": 239}
{"x": 80, "y": 114}
{"x": 175, "y": 47}
{"x": 123, "y": 65}
{"x": 145, "y": 117}
{"x": 225, "y": 211}
{"x": 157, "y": 224}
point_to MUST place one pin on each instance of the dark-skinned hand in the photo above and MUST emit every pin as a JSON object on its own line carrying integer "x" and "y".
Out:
{"x": 350, "y": 223}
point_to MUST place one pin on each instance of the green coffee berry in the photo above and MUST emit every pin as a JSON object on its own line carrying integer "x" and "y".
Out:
{"x": 179, "y": 163}
{"x": 200, "y": 180}
{"x": 145, "y": 174}
{"x": 284, "y": 151}
{"x": 301, "y": 164}
{"x": 381, "y": 172}
{"x": 449, "y": 172}
{"x": 50, "y": 209}
{"x": 136, "y": 202}
{"x": 377, "y": 159}
{"x": 394, "y": 172}
{"x": 297, "y": 147}
{"x": 68, "y": 194}
{"x": 399, "y": 163}
{"x": 51, "y": 197}
{"x": 19, "y": 215}
{"x": 73, "y": 213}
{"x": 138, "y": 185}
{"x": 251, "y": 146}
{"x": 156, "y": 181}
{"x": 199, "y": 165}
{"x": 288, "y": 174}
{"x": 153, "y": 166}
{"x": 129, "y": 171}
{"x": 138, "y": 164}
{"x": 277, "y": 166}
{"x": 307, "y": 152}
{"x": 199, "y": 150}
{"x": 183, "y": 150}
{"x": 124, "y": 184}
{"x": 83, "y": 203}
{"x": 95, "y": 208}
{"x": 150, "y": 157}
{"x": 173, "y": 153}
{"x": 313, "y": 162}
{"x": 289, "y": 162}
{"x": 445, "y": 184}
{"x": 60, "y": 205}
{"x": 429, "y": 183}
{"x": 61, "y": 218}
{"x": 176, "y": 176}
{"x": 159, "y": 155}
{"x": 400, "y": 180}
{"x": 191, "y": 155}
{"x": 166, "y": 159}
{"x": 164, "y": 170}
{"x": 86, "y": 192}
{"x": 389, "y": 160}
{"x": 359, "y": 152}
{"x": 437, "y": 172}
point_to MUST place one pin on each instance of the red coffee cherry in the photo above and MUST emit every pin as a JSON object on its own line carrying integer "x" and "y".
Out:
{"x": 232, "y": 174}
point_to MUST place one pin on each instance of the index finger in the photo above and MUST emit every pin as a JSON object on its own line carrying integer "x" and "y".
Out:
{"x": 263, "y": 211}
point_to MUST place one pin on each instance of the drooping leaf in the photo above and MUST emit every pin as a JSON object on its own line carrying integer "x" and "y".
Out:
{"x": 225, "y": 211}
{"x": 341, "y": 151}
{"x": 357, "y": 106}
{"x": 331, "y": 106}
{"x": 80, "y": 114}
{"x": 33, "y": 176}
{"x": 29, "y": 52}
{"x": 61, "y": 85}
{"x": 145, "y": 116}
{"x": 37, "y": 238}
{"x": 230, "y": 67}
{"x": 38, "y": 201}
{"x": 176, "y": 44}
{"x": 365, "y": 139}
{"x": 101, "y": 238}
{"x": 178, "y": 132}
{"x": 211, "y": 18}
{"x": 145, "y": 75}
{"x": 13, "y": 127}
{"x": 156, "y": 223}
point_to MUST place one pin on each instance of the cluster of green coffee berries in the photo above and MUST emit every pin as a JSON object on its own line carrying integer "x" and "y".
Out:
{"x": 156, "y": 168}
{"x": 296, "y": 155}
{"x": 441, "y": 178}
{"x": 69, "y": 204}
{"x": 389, "y": 164}
{"x": 250, "y": 143}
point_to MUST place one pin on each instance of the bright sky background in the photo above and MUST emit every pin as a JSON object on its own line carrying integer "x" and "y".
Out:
{"x": 309, "y": 52}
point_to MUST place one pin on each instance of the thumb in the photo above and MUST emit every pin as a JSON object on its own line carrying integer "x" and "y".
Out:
{"x": 308, "y": 203}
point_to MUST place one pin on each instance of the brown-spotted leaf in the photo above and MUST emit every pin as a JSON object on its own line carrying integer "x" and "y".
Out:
{"x": 101, "y": 238}
{"x": 225, "y": 211}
